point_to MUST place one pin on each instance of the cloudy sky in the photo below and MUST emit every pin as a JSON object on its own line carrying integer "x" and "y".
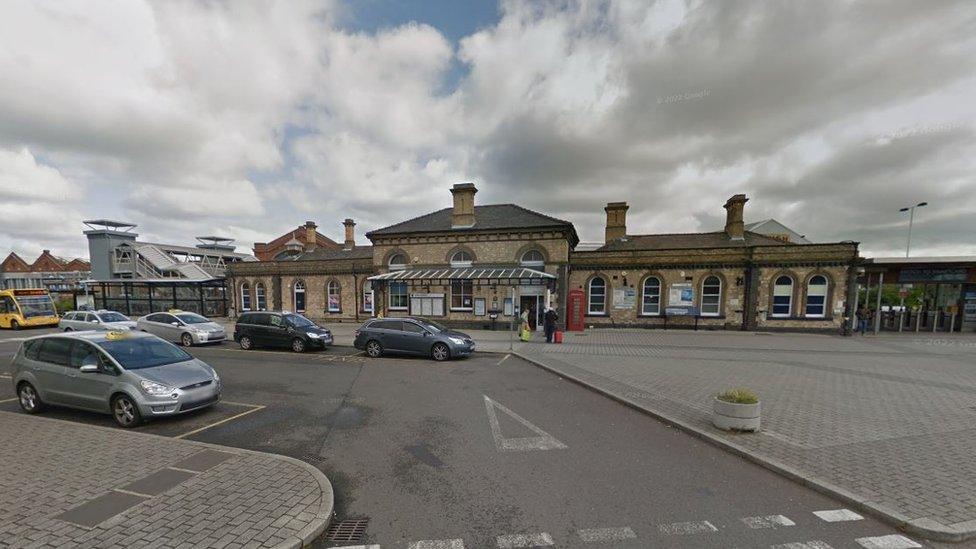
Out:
{"x": 245, "y": 119}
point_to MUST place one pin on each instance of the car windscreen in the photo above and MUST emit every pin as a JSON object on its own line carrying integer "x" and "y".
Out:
{"x": 35, "y": 306}
{"x": 298, "y": 321}
{"x": 190, "y": 318}
{"x": 112, "y": 317}
{"x": 143, "y": 352}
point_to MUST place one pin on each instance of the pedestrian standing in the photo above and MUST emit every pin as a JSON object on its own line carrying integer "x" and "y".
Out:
{"x": 863, "y": 316}
{"x": 549, "y": 321}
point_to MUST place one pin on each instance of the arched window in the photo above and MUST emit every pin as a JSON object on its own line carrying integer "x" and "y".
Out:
{"x": 597, "y": 304}
{"x": 532, "y": 258}
{"x": 461, "y": 259}
{"x": 398, "y": 262}
{"x": 711, "y": 299}
{"x": 262, "y": 301}
{"x": 334, "y": 296}
{"x": 299, "y": 295}
{"x": 651, "y": 296}
{"x": 783, "y": 296}
{"x": 817, "y": 296}
{"x": 245, "y": 297}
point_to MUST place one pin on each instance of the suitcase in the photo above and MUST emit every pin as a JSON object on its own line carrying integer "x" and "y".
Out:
{"x": 557, "y": 337}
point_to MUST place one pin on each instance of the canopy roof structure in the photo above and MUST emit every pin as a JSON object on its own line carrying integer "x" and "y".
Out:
{"x": 521, "y": 276}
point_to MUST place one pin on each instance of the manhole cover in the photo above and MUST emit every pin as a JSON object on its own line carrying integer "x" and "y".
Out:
{"x": 346, "y": 531}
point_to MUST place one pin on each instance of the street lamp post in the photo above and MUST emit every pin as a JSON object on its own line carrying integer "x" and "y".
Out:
{"x": 911, "y": 220}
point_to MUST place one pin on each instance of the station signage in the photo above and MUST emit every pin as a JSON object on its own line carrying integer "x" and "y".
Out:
{"x": 30, "y": 292}
{"x": 946, "y": 274}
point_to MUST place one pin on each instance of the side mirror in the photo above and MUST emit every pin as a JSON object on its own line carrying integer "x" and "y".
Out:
{"x": 174, "y": 323}
{"x": 94, "y": 321}
{"x": 88, "y": 369}
{"x": 426, "y": 333}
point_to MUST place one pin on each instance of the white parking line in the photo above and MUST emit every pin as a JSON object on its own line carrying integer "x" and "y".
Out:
{"x": 771, "y": 521}
{"x": 685, "y": 528}
{"x": 893, "y": 541}
{"x": 437, "y": 544}
{"x": 815, "y": 544}
{"x": 838, "y": 515}
{"x": 512, "y": 541}
{"x": 358, "y": 547}
{"x": 544, "y": 441}
{"x": 504, "y": 358}
{"x": 255, "y": 408}
{"x": 604, "y": 535}
{"x": 8, "y": 400}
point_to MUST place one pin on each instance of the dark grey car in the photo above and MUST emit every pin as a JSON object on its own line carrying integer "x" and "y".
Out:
{"x": 412, "y": 336}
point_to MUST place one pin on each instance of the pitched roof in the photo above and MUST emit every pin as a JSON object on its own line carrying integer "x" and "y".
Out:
{"x": 299, "y": 235}
{"x": 717, "y": 239}
{"x": 48, "y": 262}
{"x": 772, "y": 227}
{"x": 490, "y": 216}
{"x": 14, "y": 263}
{"x": 320, "y": 254}
{"x": 78, "y": 264}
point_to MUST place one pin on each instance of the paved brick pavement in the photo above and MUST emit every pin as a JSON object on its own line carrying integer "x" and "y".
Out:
{"x": 887, "y": 423}
{"x": 230, "y": 498}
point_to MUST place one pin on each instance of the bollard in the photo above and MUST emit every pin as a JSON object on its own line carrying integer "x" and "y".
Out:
{"x": 935, "y": 321}
{"x": 952, "y": 323}
{"x": 901, "y": 320}
{"x": 918, "y": 320}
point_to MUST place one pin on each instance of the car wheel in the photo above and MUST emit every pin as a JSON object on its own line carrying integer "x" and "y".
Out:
{"x": 246, "y": 343}
{"x": 14, "y": 325}
{"x": 298, "y": 345}
{"x": 30, "y": 401}
{"x": 67, "y": 329}
{"x": 186, "y": 340}
{"x": 440, "y": 352}
{"x": 125, "y": 411}
{"x": 374, "y": 349}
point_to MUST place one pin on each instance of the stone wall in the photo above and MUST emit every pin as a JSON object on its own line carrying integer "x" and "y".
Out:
{"x": 798, "y": 319}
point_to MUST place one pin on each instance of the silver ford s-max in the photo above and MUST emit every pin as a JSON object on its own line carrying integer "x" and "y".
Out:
{"x": 130, "y": 375}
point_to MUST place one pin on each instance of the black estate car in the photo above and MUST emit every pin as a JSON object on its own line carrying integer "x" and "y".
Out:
{"x": 413, "y": 336}
{"x": 280, "y": 329}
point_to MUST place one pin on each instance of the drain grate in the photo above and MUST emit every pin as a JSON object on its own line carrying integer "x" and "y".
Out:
{"x": 346, "y": 531}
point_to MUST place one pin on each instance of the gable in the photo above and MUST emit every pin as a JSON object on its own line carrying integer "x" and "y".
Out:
{"x": 14, "y": 264}
{"x": 47, "y": 262}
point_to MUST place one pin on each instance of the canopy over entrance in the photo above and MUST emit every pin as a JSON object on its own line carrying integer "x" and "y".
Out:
{"x": 519, "y": 276}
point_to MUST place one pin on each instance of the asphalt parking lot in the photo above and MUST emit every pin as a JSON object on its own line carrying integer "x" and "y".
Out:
{"x": 491, "y": 451}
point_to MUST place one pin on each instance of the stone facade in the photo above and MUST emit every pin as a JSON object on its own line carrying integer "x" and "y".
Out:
{"x": 730, "y": 275}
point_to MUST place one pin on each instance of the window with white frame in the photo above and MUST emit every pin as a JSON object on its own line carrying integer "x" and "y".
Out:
{"x": 462, "y": 295}
{"x": 532, "y": 258}
{"x": 597, "y": 299}
{"x": 367, "y": 297}
{"x": 299, "y": 296}
{"x": 398, "y": 262}
{"x": 398, "y": 296}
{"x": 334, "y": 295}
{"x": 711, "y": 296}
{"x": 651, "y": 296}
{"x": 461, "y": 259}
{"x": 262, "y": 300}
{"x": 783, "y": 296}
{"x": 245, "y": 297}
{"x": 817, "y": 296}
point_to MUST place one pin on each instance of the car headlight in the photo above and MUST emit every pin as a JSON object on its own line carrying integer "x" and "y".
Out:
{"x": 312, "y": 335}
{"x": 456, "y": 340}
{"x": 215, "y": 376}
{"x": 155, "y": 389}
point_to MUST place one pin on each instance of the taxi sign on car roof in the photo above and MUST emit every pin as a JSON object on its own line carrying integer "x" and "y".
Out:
{"x": 175, "y": 311}
{"x": 116, "y": 335}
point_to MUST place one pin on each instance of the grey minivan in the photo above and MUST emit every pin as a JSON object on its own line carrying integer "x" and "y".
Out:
{"x": 131, "y": 375}
{"x": 412, "y": 336}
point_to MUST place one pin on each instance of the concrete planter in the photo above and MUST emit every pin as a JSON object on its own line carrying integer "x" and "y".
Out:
{"x": 730, "y": 416}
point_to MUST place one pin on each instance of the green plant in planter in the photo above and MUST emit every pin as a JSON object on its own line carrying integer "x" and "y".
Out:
{"x": 738, "y": 396}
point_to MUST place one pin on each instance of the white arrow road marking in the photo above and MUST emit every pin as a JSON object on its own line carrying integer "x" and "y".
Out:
{"x": 544, "y": 441}
{"x": 894, "y": 541}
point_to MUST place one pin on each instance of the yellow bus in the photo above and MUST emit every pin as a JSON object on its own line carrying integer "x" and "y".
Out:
{"x": 27, "y": 307}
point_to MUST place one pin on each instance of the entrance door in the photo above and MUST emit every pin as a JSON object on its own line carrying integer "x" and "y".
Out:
{"x": 530, "y": 303}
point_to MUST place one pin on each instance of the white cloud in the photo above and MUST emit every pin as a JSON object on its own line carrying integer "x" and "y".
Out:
{"x": 22, "y": 177}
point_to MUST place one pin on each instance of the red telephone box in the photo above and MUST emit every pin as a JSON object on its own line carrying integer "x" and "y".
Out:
{"x": 574, "y": 318}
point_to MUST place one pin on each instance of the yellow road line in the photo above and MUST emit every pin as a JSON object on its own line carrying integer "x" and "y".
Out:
{"x": 225, "y": 420}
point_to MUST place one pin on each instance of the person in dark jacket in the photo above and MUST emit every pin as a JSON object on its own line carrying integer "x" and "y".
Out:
{"x": 863, "y": 318}
{"x": 549, "y": 322}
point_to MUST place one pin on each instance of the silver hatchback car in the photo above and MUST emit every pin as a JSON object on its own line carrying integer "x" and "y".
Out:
{"x": 95, "y": 320}
{"x": 183, "y": 327}
{"x": 130, "y": 375}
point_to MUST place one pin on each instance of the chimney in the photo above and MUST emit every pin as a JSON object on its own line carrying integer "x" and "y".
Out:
{"x": 463, "y": 215}
{"x": 734, "y": 227}
{"x": 310, "y": 236}
{"x": 350, "y": 239}
{"x": 616, "y": 220}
